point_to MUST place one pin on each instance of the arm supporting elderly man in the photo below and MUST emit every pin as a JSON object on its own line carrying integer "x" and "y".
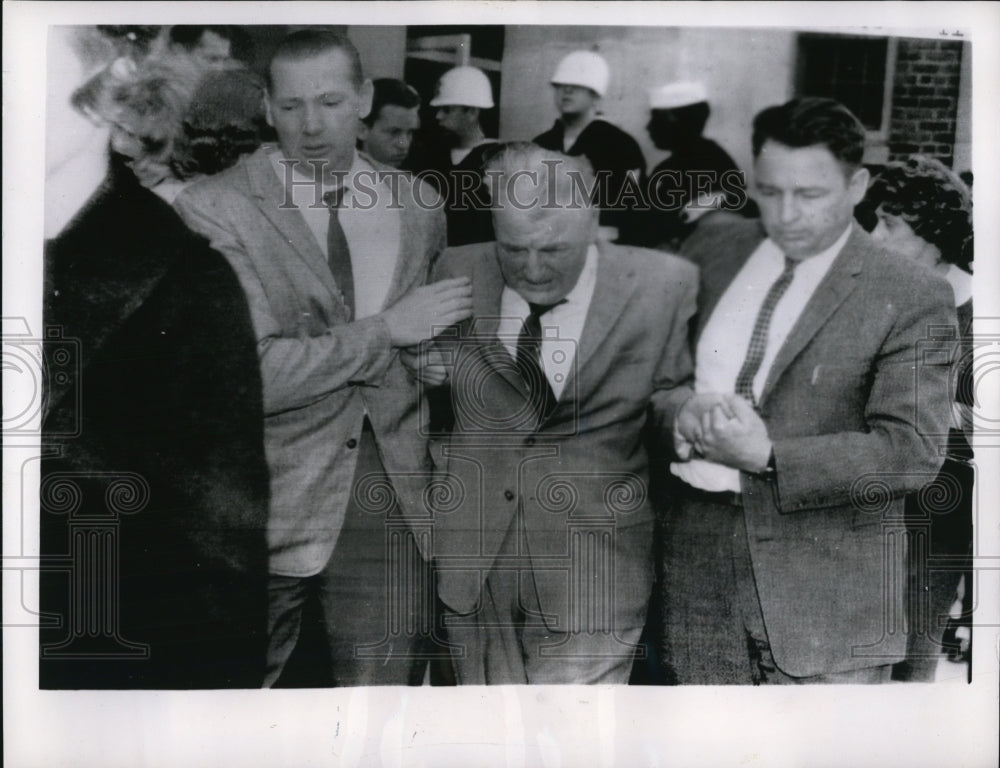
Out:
{"x": 335, "y": 274}
{"x": 814, "y": 338}
{"x": 846, "y": 424}
{"x": 895, "y": 430}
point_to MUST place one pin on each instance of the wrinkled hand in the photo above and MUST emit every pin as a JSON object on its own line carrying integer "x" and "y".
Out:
{"x": 735, "y": 436}
{"x": 688, "y": 423}
{"x": 426, "y": 310}
{"x": 426, "y": 364}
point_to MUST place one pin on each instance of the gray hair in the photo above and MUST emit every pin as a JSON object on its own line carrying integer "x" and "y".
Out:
{"x": 525, "y": 176}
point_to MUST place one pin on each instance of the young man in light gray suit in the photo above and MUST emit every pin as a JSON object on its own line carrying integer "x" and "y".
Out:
{"x": 574, "y": 359}
{"x": 333, "y": 256}
{"x": 784, "y": 546}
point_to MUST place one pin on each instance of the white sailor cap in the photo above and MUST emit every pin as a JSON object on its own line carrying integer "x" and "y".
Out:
{"x": 674, "y": 95}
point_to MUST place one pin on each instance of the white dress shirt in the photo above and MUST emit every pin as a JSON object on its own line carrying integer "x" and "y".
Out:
{"x": 372, "y": 227}
{"x": 562, "y": 326}
{"x": 723, "y": 345}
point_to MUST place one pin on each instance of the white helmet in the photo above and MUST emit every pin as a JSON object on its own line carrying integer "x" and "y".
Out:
{"x": 464, "y": 87}
{"x": 584, "y": 68}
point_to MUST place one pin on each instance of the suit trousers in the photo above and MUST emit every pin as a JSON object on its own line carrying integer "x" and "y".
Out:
{"x": 507, "y": 641}
{"x": 374, "y": 597}
{"x": 713, "y": 629}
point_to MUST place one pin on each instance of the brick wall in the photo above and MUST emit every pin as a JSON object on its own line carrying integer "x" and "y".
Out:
{"x": 925, "y": 99}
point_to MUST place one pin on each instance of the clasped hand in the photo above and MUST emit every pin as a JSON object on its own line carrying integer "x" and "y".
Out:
{"x": 426, "y": 363}
{"x": 724, "y": 429}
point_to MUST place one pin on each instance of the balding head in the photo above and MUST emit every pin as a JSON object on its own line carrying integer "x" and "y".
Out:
{"x": 544, "y": 218}
{"x": 529, "y": 179}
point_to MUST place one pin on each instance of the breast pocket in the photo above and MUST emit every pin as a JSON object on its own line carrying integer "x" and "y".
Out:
{"x": 840, "y": 392}
{"x": 844, "y": 375}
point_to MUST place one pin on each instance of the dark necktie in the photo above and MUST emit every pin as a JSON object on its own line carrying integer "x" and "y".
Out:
{"x": 338, "y": 254}
{"x": 529, "y": 361}
{"x": 758, "y": 339}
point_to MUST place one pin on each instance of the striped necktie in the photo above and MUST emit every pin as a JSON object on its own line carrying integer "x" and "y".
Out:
{"x": 758, "y": 339}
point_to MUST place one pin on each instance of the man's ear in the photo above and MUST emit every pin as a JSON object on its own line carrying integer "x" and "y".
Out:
{"x": 365, "y": 94}
{"x": 858, "y": 184}
{"x": 267, "y": 109}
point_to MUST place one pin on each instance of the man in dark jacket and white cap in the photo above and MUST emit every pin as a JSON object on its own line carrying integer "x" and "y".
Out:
{"x": 580, "y": 82}
{"x": 698, "y": 177}
{"x": 463, "y": 93}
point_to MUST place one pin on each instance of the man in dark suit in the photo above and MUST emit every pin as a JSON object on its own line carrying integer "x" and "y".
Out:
{"x": 784, "y": 543}
{"x": 574, "y": 357}
{"x": 153, "y": 480}
{"x": 333, "y": 251}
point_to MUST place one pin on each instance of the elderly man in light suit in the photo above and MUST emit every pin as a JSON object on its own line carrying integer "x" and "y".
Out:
{"x": 783, "y": 549}
{"x": 577, "y": 354}
{"x": 333, "y": 256}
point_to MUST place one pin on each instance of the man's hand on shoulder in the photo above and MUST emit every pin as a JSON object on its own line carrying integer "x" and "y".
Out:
{"x": 426, "y": 310}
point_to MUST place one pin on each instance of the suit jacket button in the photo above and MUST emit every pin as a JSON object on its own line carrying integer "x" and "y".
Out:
{"x": 530, "y": 441}
{"x": 509, "y": 495}
{"x": 352, "y": 443}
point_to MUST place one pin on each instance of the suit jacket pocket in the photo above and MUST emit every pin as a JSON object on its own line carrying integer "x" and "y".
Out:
{"x": 838, "y": 394}
{"x": 843, "y": 372}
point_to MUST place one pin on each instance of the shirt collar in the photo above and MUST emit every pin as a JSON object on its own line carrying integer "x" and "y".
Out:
{"x": 824, "y": 257}
{"x": 358, "y": 165}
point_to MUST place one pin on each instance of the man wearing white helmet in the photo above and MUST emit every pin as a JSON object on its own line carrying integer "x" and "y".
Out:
{"x": 580, "y": 82}
{"x": 462, "y": 94}
{"x": 698, "y": 177}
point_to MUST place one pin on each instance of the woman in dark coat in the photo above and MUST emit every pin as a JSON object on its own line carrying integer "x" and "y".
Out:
{"x": 153, "y": 481}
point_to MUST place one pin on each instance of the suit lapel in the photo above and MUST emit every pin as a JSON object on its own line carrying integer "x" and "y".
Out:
{"x": 412, "y": 238}
{"x": 612, "y": 289}
{"x": 487, "y": 290}
{"x": 269, "y": 193}
{"x": 836, "y": 285}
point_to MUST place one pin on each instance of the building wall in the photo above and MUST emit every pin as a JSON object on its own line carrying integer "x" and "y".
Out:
{"x": 925, "y": 99}
{"x": 642, "y": 58}
{"x": 963, "y": 115}
{"x": 744, "y": 71}
{"x": 382, "y": 49}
